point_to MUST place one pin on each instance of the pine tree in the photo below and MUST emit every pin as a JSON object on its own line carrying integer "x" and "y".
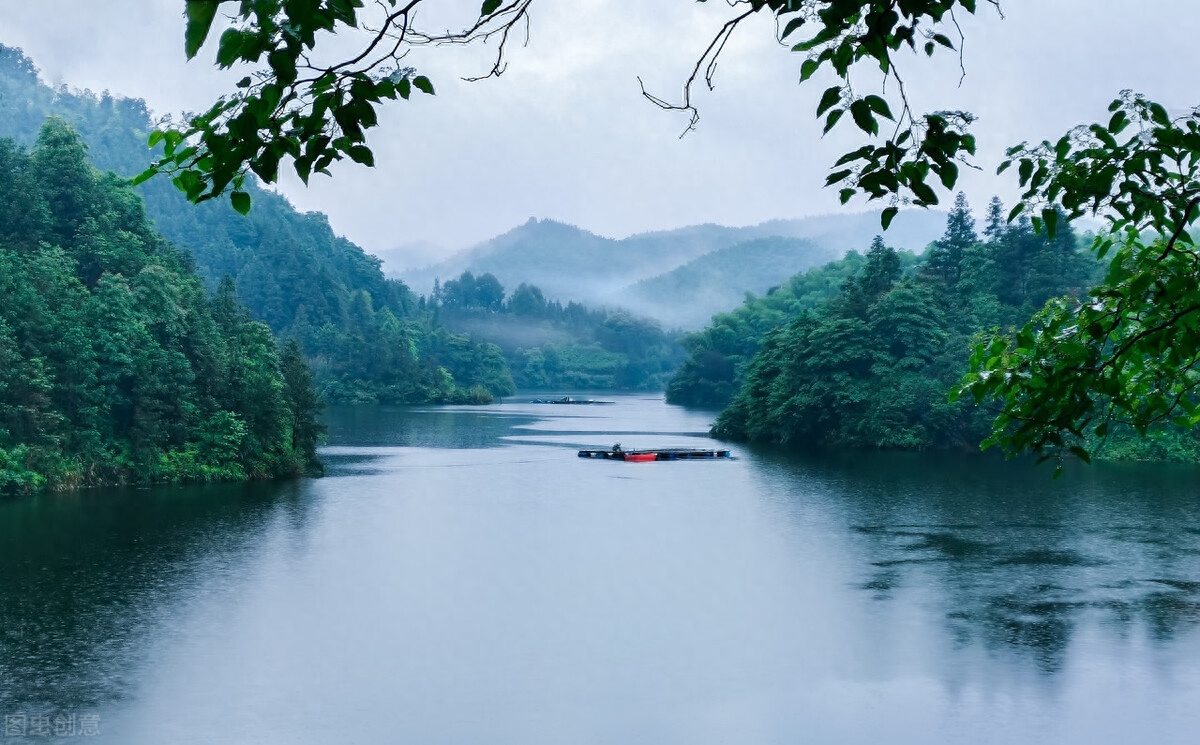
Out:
{"x": 944, "y": 258}
{"x": 996, "y": 222}
{"x": 881, "y": 272}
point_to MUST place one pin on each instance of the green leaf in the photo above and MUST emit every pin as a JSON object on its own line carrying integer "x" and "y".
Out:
{"x": 837, "y": 176}
{"x": 833, "y": 118}
{"x": 1025, "y": 171}
{"x": 889, "y": 214}
{"x": 1081, "y": 454}
{"x": 229, "y": 47}
{"x": 829, "y": 99}
{"x": 791, "y": 27}
{"x": 144, "y": 176}
{"x": 943, "y": 40}
{"x": 1050, "y": 217}
{"x": 879, "y": 106}
{"x": 200, "y": 15}
{"x": 863, "y": 117}
{"x": 807, "y": 69}
{"x": 489, "y": 7}
{"x": 422, "y": 84}
{"x": 240, "y": 201}
{"x": 361, "y": 154}
{"x": 1118, "y": 122}
{"x": 925, "y": 194}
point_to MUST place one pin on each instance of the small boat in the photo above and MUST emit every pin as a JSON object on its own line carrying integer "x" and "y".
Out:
{"x": 570, "y": 400}
{"x": 646, "y": 456}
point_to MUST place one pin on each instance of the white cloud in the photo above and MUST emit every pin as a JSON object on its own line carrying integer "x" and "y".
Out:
{"x": 565, "y": 133}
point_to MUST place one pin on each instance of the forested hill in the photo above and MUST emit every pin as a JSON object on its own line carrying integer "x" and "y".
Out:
{"x": 360, "y": 331}
{"x": 551, "y": 346}
{"x": 309, "y": 264}
{"x": 688, "y": 296}
{"x": 862, "y": 353}
{"x": 115, "y": 366}
{"x": 569, "y": 263}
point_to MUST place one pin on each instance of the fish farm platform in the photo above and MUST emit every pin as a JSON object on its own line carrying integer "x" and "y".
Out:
{"x": 645, "y": 456}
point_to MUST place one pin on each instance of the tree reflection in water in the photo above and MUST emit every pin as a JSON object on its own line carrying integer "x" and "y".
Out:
{"x": 1016, "y": 559}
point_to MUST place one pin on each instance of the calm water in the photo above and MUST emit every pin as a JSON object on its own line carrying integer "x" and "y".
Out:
{"x": 461, "y": 577}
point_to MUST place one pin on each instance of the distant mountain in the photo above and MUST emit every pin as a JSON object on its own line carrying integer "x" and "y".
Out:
{"x": 689, "y": 295}
{"x": 569, "y": 263}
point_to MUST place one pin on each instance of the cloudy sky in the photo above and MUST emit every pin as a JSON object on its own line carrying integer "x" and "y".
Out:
{"x": 565, "y": 134}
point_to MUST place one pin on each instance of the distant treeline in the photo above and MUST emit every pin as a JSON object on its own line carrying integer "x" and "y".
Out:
{"x": 548, "y": 345}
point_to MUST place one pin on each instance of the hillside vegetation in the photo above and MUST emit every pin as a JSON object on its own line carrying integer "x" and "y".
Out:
{"x": 362, "y": 332}
{"x": 552, "y": 346}
{"x": 115, "y": 366}
{"x": 870, "y": 367}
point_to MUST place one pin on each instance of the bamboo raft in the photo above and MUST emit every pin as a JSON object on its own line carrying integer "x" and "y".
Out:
{"x": 646, "y": 456}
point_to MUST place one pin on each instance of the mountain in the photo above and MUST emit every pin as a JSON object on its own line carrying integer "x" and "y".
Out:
{"x": 362, "y": 332}
{"x": 569, "y": 263}
{"x": 688, "y": 296}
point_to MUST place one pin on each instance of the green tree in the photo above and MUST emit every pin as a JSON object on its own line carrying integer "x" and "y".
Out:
{"x": 114, "y": 365}
{"x": 945, "y": 256}
{"x": 303, "y": 404}
{"x": 1127, "y": 353}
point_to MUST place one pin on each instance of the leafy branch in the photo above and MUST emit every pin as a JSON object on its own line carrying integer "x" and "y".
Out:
{"x": 1130, "y": 351}
{"x": 294, "y": 108}
{"x": 845, "y": 34}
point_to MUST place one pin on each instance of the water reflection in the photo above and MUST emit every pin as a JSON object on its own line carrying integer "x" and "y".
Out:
{"x": 86, "y": 578}
{"x": 1016, "y": 560}
{"x": 452, "y": 427}
{"x": 460, "y": 576}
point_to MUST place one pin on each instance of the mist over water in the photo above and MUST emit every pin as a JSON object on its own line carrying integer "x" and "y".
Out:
{"x": 461, "y": 576}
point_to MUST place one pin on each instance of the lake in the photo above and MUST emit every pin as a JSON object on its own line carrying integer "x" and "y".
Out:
{"x": 460, "y": 576}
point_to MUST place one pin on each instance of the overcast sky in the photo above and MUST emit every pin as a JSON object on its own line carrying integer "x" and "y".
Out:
{"x": 565, "y": 134}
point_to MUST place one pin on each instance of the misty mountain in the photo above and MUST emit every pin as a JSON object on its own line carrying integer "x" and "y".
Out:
{"x": 569, "y": 263}
{"x": 689, "y": 295}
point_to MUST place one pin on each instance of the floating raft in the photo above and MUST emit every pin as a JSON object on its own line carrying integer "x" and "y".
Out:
{"x": 569, "y": 400}
{"x": 645, "y": 456}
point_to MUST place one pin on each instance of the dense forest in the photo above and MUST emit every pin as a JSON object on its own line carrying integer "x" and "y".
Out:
{"x": 719, "y": 354}
{"x": 362, "y": 333}
{"x": 551, "y": 346}
{"x": 862, "y": 352}
{"x": 115, "y": 365}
